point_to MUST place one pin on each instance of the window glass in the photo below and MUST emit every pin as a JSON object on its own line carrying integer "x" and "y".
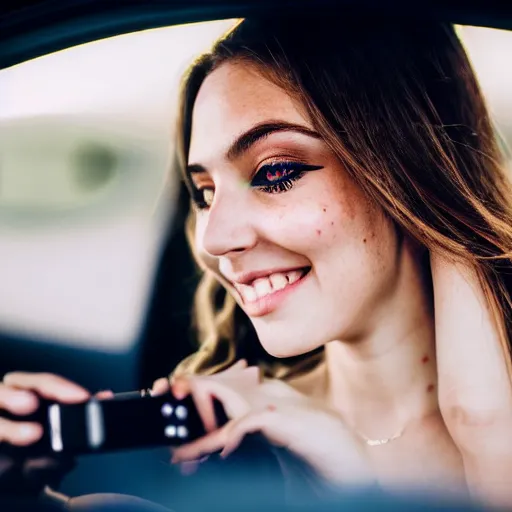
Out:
{"x": 84, "y": 189}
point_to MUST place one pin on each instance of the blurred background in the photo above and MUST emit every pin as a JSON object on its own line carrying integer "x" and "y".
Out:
{"x": 95, "y": 276}
{"x": 87, "y": 201}
{"x": 96, "y": 281}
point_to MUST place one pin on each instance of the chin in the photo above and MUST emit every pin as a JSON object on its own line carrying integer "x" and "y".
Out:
{"x": 285, "y": 346}
{"x": 278, "y": 353}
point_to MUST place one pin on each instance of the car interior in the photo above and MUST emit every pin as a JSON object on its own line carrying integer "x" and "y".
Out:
{"x": 96, "y": 278}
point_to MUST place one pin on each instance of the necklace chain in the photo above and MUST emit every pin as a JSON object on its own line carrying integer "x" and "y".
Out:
{"x": 379, "y": 442}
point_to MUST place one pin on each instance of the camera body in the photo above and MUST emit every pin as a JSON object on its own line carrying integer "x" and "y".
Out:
{"x": 126, "y": 421}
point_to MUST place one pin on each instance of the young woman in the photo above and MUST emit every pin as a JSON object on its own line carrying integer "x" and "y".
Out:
{"x": 350, "y": 197}
{"x": 352, "y": 214}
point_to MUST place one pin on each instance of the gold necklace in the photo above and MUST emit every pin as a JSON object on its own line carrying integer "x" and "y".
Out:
{"x": 379, "y": 442}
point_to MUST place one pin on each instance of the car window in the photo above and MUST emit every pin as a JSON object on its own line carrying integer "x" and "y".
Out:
{"x": 85, "y": 194}
{"x": 488, "y": 49}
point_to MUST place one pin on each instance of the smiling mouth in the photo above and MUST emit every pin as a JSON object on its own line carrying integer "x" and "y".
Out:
{"x": 264, "y": 286}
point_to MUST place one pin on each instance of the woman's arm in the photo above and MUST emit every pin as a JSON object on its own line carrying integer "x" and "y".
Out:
{"x": 475, "y": 389}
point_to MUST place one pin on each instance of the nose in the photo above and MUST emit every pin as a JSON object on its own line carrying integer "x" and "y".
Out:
{"x": 229, "y": 226}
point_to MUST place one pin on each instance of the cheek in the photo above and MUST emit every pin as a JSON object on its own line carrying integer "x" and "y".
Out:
{"x": 319, "y": 224}
{"x": 359, "y": 235}
{"x": 331, "y": 212}
{"x": 369, "y": 249}
{"x": 301, "y": 229}
{"x": 378, "y": 236}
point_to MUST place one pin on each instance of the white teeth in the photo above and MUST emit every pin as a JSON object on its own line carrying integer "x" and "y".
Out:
{"x": 278, "y": 281}
{"x": 262, "y": 287}
{"x": 248, "y": 293}
{"x": 294, "y": 276}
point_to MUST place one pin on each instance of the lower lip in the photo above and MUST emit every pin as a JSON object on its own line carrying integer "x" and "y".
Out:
{"x": 269, "y": 303}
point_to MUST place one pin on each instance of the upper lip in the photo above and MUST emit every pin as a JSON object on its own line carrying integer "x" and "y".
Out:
{"x": 248, "y": 277}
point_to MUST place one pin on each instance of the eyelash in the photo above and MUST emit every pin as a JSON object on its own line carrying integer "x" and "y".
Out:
{"x": 295, "y": 171}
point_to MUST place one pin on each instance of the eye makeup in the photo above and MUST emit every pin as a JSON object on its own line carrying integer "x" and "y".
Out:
{"x": 280, "y": 176}
{"x": 272, "y": 178}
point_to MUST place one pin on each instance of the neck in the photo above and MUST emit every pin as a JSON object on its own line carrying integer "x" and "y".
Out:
{"x": 386, "y": 379}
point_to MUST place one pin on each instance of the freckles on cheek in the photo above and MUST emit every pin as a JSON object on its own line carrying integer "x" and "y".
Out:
{"x": 331, "y": 230}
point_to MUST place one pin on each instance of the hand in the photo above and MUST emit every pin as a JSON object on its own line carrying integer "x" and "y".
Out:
{"x": 284, "y": 416}
{"x": 19, "y": 394}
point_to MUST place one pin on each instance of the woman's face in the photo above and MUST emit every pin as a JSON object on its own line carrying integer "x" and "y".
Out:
{"x": 280, "y": 223}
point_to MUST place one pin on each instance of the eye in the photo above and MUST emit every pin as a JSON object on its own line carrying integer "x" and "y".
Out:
{"x": 272, "y": 178}
{"x": 280, "y": 176}
{"x": 203, "y": 197}
{"x": 208, "y": 196}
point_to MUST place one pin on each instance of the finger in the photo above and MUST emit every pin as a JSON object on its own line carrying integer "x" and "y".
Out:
{"x": 181, "y": 386}
{"x": 160, "y": 386}
{"x": 206, "y": 445}
{"x": 232, "y": 396}
{"x": 48, "y": 386}
{"x": 19, "y": 433}
{"x": 243, "y": 375}
{"x": 17, "y": 401}
{"x": 254, "y": 374}
{"x": 204, "y": 403}
{"x": 104, "y": 395}
{"x": 238, "y": 429}
{"x": 198, "y": 388}
{"x": 189, "y": 468}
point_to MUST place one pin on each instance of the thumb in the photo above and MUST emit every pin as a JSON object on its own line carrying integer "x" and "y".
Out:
{"x": 104, "y": 394}
{"x": 160, "y": 386}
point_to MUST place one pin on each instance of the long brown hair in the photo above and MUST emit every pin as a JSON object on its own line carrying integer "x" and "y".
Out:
{"x": 398, "y": 103}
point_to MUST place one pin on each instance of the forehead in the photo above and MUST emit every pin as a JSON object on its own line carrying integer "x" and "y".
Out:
{"x": 231, "y": 100}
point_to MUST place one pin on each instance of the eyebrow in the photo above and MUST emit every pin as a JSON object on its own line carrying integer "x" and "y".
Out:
{"x": 244, "y": 142}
